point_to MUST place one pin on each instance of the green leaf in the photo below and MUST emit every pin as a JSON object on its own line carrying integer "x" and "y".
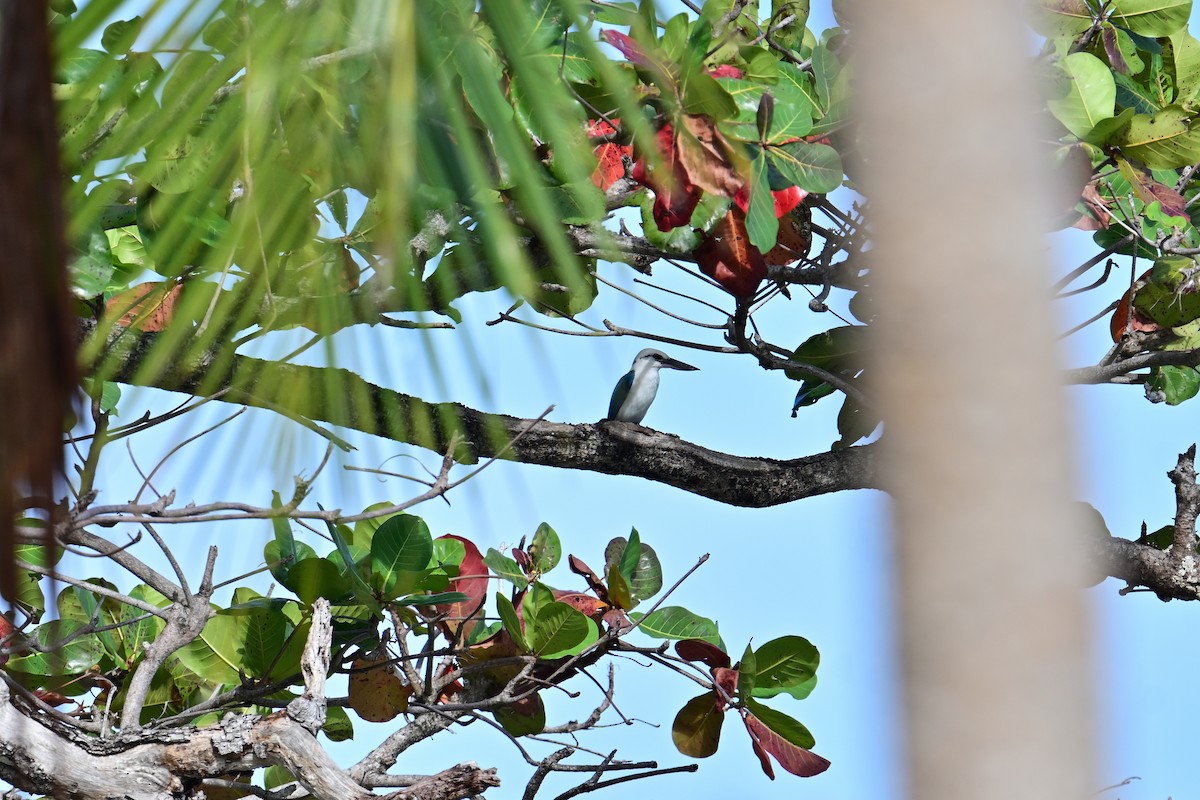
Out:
{"x": 92, "y": 271}
{"x": 1169, "y": 296}
{"x": 79, "y": 65}
{"x": 545, "y": 550}
{"x": 815, "y": 168}
{"x": 69, "y": 653}
{"x": 1055, "y": 18}
{"x": 559, "y": 630}
{"x": 1088, "y": 94}
{"x": 696, "y": 730}
{"x": 517, "y": 724}
{"x": 505, "y": 567}
{"x": 1164, "y": 140}
{"x": 364, "y": 529}
{"x": 1152, "y": 18}
{"x": 313, "y": 577}
{"x": 432, "y": 599}
{"x": 216, "y": 655}
{"x": 747, "y": 673}
{"x": 761, "y": 223}
{"x": 400, "y": 550}
{"x": 349, "y": 568}
{"x": 1186, "y": 49}
{"x": 675, "y": 622}
{"x": 631, "y": 555}
{"x": 787, "y": 727}
{"x": 1176, "y": 384}
{"x": 512, "y": 624}
{"x": 618, "y": 588}
{"x": 703, "y": 94}
{"x": 646, "y": 580}
{"x": 119, "y": 36}
{"x": 783, "y": 665}
{"x": 338, "y": 726}
{"x": 840, "y": 350}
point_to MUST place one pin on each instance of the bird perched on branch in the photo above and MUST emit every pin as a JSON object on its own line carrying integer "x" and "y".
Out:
{"x": 635, "y": 391}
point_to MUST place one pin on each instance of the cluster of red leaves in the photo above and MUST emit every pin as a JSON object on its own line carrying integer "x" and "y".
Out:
{"x": 675, "y": 196}
{"x": 685, "y": 169}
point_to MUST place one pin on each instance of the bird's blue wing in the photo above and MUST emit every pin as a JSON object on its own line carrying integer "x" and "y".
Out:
{"x": 620, "y": 392}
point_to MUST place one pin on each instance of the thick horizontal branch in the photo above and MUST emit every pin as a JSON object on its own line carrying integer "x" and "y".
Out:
{"x": 341, "y": 397}
{"x": 1144, "y": 566}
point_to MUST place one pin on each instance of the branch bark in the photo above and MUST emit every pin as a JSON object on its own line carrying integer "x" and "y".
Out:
{"x": 341, "y": 397}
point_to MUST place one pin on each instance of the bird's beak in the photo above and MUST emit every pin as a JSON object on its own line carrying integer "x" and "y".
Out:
{"x": 674, "y": 364}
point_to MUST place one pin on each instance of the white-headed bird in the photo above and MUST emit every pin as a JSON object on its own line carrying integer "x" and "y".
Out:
{"x": 634, "y": 393}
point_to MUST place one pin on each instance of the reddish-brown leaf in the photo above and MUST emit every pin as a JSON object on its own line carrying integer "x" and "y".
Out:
{"x": 612, "y": 158}
{"x": 796, "y": 760}
{"x": 52, "y": 698}
{"x": 617, "y": 620}
{"x": 583, "y": 603}
{"x": 763, "y": 759}
{"x": 727, "y": 681}
{"x": 146, "y": 307}
{"x": 1096, "y": 205}
{"x": 709, "y": 160}
{"x": 675, "y": 197}
{"x": 1123, "y": 321}
{"x": 376, "y": 693}
{"x": 1173, "y": 203}
{"x": 794, "y": 238}
{"x": 727, "y": 256}
{"x": 705, "y": 652}
{"x": 472, "y": 581}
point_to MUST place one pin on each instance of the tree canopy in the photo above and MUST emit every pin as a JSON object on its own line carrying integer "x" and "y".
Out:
{"x": 249, "y": 180}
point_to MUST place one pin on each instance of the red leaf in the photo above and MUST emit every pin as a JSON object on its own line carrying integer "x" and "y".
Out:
{"x": 628, "y": 47}
{"x": 727, "y": 680}
{"x": 473, "y": 582}
{"x": 727, "y": 256}
{"x": 795, "y": 760}
{"x": 675, "y": 197}
{"x": 613, "y": 158}
{"x": 700, "y": 650}
{"x": 725, "y": 71}
{"x": 146, "y": 307}
{"x": 521, "y": 557}
{"x": 785, "y": 199}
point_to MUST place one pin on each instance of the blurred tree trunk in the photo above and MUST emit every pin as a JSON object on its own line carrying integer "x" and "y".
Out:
{"x": 994, "y": 634}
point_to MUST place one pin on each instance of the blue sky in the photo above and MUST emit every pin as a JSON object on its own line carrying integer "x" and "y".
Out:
{"x": 818, "y": 568}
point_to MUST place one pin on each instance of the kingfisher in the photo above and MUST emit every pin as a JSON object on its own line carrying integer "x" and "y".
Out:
{"x": 635, "y": 391}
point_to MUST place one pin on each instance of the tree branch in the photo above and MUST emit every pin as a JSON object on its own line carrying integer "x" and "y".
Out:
{"x": 341, "y": 397}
